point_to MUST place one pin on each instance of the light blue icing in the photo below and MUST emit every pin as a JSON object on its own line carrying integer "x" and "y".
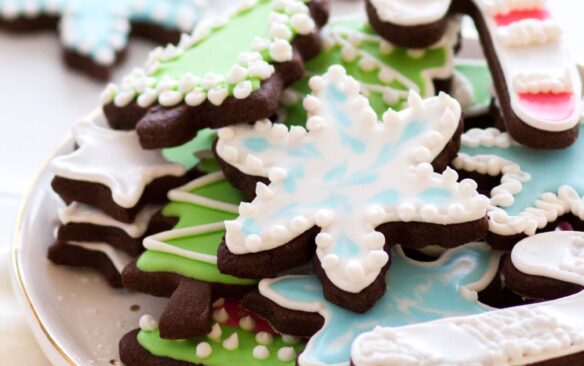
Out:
{"x": 92, "y": 27}
{"x": 256, "y": 144}
{"x": 549, "y": 169}
{"x": 417, "y": 292}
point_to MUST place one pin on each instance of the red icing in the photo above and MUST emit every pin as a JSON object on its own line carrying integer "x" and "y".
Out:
{"x": 517, "y": 15}
{"x": 236, "y": 312}
{"x": 548, "y": 106}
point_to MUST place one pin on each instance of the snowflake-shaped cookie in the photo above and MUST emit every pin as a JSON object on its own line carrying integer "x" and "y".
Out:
{"x": 99, "y": 29}
{"x": 420, "y": 292}
{"x": 348, "y": 174}
{"x": 537, "y": 187}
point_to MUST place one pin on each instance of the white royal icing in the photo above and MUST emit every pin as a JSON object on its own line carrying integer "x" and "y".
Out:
{"x": 493, "y": 153}
{"x": 557, "y": 254}
{"x": 343, "y": 153}
{"x": 530, "y": 51}
{"x": 159, "y": 242}
{"x": 288, "y": 17}
{"x": 411, "y": 12}
{"x": 114, "y": 159}
{"x": 118, "y": 258}
{"x": 80, "y": 213}
{"x": 510, "y": 337}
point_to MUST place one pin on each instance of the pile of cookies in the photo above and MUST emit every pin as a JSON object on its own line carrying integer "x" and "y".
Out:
{"x": 311, "y": 194}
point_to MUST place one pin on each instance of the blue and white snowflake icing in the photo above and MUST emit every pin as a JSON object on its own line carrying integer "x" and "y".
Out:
{"x": 537, "y": 186}
{"x": 347, "y": 174}
{"x": 100, "y": 28}
{"x": 420, "y": 292}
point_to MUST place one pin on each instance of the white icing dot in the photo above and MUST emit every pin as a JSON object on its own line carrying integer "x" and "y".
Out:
{"x": 377, "y": 259}
{"x": 264, "y": 338}
{"x": 243, "y": 90}
{"x": 323, "y": 240}
{"x": 231, "y": 343}
{"x": 195, "y": 98}
{"x": 261, "y": 352}
{"x": 218, "y": 95}
{"x": 302, "y": 23}
{"x": 105, "y": 56}
{"x": 236, "y": 74}
{"x": 286, "y": 354}
{"x": 148, "y": 322}
{"x": 280, "y": 31}
{"x": 220, "y": 315}
{"x": 323, "y": 218}
{"x": 204, "y": 350}
{"x": 247, "y": 323}
{"x": 330, "y": 262}
{"x": 253, "y": 243}
{"x": 281, "y": 51}
{"x": 375, "y": 240}
{"x": 215, "y": 333}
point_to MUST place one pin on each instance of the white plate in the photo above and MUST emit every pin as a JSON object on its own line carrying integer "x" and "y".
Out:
{"x": 75, "y": 316}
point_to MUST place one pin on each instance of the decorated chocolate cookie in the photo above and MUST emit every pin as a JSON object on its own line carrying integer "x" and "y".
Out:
{"x": 536, "y": 79}
{"x": 530, "y": 190}
{"x": 181, "y": 263}
{"x": 95, "y": 33}
{"x": 419, "y": 292}
{"x": 349, "y": 186}
{"x": 238, "y": 338}
{"x": 80, "y": 222}
{"x": 229, "y": 70}
{"x": 87, "y": 237}
{"x": 543, "y": 334}
{"x": 386, "y": 72}
{"x": 110, "y": 171}
{"x": 547, "y": 266}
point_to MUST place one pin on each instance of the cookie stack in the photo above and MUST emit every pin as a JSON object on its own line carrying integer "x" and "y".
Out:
{"x": 339, "y": 212}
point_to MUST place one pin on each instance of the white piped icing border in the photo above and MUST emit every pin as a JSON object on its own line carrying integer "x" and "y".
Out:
{"x": 411, "y": 12}
{"x": 546, "y": 208}
{"x": 288, "y": 18}
{"x": 115, "y": 159}
{"x": 80, "y": 213}
{"x": 324, "y": 144}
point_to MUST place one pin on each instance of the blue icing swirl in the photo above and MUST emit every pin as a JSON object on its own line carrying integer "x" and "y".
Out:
{"x": 417, "y": 292}
{"x": 549, "y": 170}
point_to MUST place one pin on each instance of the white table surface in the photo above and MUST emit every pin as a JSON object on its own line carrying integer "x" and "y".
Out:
{"x": 39, "y": 101}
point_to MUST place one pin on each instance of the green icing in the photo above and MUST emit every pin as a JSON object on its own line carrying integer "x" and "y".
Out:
{"x": 479, "y": 75}
{"x": 222, "y": 191}
{"x": 219, "y": 51}
{"x": 206, "y": 242}
{"x": 413, "y": 69}
{"x": 185, "y": 350}
{"x": 153, "y": 261}
{"x": 186, "y": 154}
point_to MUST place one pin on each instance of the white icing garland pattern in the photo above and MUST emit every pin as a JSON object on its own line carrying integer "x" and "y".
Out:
{"x": 289, "y": 17}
